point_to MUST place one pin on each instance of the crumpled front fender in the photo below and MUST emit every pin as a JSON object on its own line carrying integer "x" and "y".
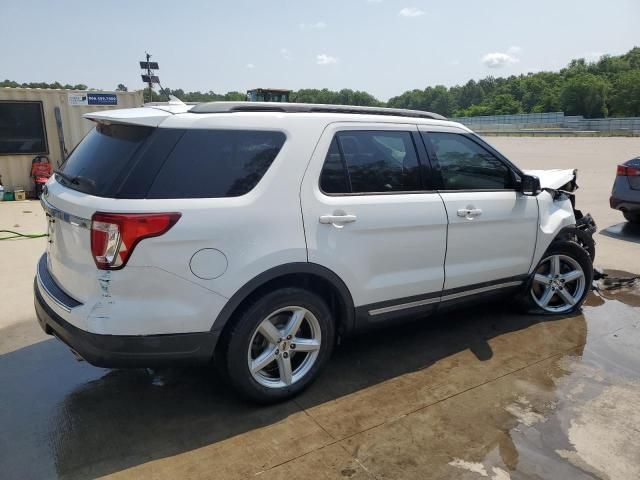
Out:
{"x": 554, "y": 216}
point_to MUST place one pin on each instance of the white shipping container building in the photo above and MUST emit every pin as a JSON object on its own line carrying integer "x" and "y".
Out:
{"x": 49, "y": 122}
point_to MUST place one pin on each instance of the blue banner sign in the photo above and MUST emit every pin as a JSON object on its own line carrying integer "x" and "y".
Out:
{"x": 102, "y": 99}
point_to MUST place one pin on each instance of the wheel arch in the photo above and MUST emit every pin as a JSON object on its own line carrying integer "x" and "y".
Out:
{"x": 315, "y": 277}
{"x": 582, "y": 237}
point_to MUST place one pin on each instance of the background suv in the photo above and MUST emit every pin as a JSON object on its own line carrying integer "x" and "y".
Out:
{"x": 256, "y": 234}
{"x": 625, "y": 195}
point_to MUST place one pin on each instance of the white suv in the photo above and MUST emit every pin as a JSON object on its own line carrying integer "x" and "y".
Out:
{"x": 253, "y": 235}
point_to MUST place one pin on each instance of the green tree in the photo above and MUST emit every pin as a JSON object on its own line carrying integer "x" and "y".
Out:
{"x": 122, "y": 88}
{"x": 473, "y": 111}
{"x": 585, "y": 94}
{"x": 9, "y": 84}
{"x": 235, "y": 96}
{"x": 632, "y": 57}
{"x": 471, "y": 93}
{"x": 549, "y": 102}
{"x": 576, "y": 67}
{"x": 505, "y": 104}
{"x": 412, "y": 99}
{"x": 345, "y": 97}
{"x": 626, "y": 98}
{"x": 609, "y": 65}
{"x": 533, "y": 89}
{"x": 441, "y": 101}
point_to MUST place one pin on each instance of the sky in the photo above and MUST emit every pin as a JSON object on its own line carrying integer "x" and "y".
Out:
{"x": 384, "y": 47}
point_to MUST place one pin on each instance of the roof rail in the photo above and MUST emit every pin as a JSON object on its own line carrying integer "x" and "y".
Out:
{"x": 230, "y": 107}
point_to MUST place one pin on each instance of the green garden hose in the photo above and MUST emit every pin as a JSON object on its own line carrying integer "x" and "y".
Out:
{"x": 21, "y": 235}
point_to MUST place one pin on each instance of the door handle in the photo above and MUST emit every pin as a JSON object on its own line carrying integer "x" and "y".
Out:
{"x": 337, "y": 219}
{"x": 469, "y": 212}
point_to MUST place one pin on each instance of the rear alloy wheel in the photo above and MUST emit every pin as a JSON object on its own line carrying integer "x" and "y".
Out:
{"x": 284, "y": 347}
{"x": 562, "y": 279}
{"x": 278, "y": 344}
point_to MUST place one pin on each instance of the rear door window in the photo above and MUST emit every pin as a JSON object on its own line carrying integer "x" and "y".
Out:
{"x": 371, "y": 162}
{"x": 101, "y": 157}
{"x": 333, "y": 178}
{"x": 216, "y": 163}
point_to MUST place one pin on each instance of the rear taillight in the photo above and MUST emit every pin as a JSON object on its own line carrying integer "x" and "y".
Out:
{"x": 625, "y": 171}
{"x": 115, "y": 235}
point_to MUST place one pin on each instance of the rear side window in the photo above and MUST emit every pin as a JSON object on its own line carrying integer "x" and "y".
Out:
{"x": 216, "y": 163}
{"x": 371, "y": 162}
{"x": 99, "y": 159}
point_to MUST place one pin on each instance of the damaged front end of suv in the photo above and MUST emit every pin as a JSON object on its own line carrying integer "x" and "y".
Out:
{"x": 558, "y": 204}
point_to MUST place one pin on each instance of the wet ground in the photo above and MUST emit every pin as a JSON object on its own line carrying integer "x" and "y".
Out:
{"x": 479, "y": 393}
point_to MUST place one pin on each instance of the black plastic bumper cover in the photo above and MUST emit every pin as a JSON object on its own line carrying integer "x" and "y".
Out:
{"x": 123, "y": 351}
{"x": 625, "y": 205}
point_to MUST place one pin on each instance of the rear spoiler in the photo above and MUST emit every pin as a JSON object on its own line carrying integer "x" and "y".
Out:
{"x": 148, "y": 116}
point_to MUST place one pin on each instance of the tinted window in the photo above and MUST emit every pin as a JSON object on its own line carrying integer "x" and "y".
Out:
{"x": 465, "y": 165}
{"x": 102, "y": 156}
{"x": 333, "y": 178}
{"x": 376, "y": 161}
{"x": 138, "y": 176}
{"x": 22, "y": 128}
{"x": 216, "y": 163}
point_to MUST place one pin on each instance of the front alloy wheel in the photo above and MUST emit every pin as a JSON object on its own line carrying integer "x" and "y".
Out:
{"x": 284, "y": 347}
{"x": 562, "y": 279}
{"x": 558, "y": 284}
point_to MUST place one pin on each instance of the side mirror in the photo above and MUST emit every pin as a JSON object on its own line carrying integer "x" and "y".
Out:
{"x": 530, "y": 185}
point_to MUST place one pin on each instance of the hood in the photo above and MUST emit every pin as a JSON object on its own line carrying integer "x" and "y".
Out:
{"x": 553, "y": 178}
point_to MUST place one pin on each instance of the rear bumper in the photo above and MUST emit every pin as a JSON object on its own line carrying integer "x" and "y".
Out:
{"x": 122, "y": 351}
{"x": 625, "y": 205}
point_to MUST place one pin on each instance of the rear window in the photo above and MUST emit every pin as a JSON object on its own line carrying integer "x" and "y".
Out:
{"x": 216, "y": 163}
{"x": 124, "y": 161}
{"x": 102, "y": 156}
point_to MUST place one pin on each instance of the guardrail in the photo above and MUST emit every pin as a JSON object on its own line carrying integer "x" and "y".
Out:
{"x": 553, "y": 123}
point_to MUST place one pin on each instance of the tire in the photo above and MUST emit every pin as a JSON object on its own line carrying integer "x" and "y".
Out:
{"x": 251, "y": 339}
{"x": 561, "y": 280}
{"x": 632, "y": 217}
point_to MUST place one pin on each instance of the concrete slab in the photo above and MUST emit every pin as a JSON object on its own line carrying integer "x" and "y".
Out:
{"x": 329, "y": 463}
{"x": 18, "y": 258}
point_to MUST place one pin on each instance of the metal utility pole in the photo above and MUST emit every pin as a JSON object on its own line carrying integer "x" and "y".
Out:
{"x": 150, "y": 78}
{"x": 149, "y": 74}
